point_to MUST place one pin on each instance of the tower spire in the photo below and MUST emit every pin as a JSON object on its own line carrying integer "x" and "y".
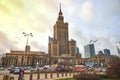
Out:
{"x": 60, "y": 6}
{"x": 60, "y": 17}
{"x": 60, "y": 12}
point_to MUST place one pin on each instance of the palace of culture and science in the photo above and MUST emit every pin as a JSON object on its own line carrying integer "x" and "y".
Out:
{"x": 60, "y": 49}
{"x": 59, "y": 45}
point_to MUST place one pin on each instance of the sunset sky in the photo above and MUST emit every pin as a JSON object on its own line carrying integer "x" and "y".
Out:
{"x": 87, "y": 19}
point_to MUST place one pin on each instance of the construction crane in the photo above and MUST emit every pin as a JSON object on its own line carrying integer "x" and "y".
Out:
{"x": 93, "y": 41}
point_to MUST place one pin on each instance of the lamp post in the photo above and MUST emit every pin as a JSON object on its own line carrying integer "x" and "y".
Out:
{"x": 27, "y": 35}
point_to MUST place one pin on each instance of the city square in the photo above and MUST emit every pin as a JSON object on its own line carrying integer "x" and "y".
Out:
{"x": 65, "y": 55}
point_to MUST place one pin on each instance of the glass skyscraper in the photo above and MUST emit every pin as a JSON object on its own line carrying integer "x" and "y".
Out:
{"x": 118, "y": 49}
{"x": 106, "y": 51}
{"x": 89, "y": 50}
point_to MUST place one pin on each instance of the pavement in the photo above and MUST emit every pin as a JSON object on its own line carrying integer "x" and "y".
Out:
{"x": 42, "y": 76}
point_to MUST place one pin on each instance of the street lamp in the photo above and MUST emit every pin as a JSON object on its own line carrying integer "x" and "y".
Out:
{"x": 27, "y": 35}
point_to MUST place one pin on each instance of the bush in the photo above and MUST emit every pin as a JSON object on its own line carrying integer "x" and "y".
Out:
{"x": 103, "y": 76}
{"x": 86, "y": 77}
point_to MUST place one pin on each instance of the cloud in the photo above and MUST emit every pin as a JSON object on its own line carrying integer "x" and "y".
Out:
{"x": 97, "y": 20}
{"x": 38, "y": 47}
{"x": 3, "y": 9}
{"x": 41, "y": 23}
{"x": 30, "y": 16}
{"x": 113, "y": 7}
{"x": 6, "y": 43}
{"x": 13, "y": 6}
{"x": 87, "y": 19}
{"x": 87, "y": 11}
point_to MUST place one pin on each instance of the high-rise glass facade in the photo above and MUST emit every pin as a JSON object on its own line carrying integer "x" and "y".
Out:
{"x": 89, "y": 50}
{"x": 106, "y": 51}
{"x": 118, "y": 49}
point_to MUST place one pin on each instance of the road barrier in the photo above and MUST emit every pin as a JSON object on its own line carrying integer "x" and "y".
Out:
{"x": 7, "y": 77}
{"x": 37, "y": 75}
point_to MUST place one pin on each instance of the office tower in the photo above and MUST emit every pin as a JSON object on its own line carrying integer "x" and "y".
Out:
{"x": 100, "y": 52}
{"x": 106, "y": 51}
{"x": 77, "y": 50}
{"x": 118, "y": 48}
{"x": 89, "y": 50}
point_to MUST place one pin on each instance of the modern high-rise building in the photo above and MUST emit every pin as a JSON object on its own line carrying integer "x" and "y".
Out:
{"x": 106, "y": 51}
{"x": 60, "y": 44}
{"x": 118, "y": 48}
{"x": 77, "y": 50}
{"x": 89, "y": 50}
{"x": 100, "y": 52}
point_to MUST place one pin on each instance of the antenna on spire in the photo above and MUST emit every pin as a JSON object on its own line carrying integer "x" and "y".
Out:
{"x": 60, "y": 13}
{"x": 60, "y": 6}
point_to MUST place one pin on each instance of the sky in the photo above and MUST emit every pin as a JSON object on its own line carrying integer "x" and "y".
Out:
{"x": 87, "y": 19}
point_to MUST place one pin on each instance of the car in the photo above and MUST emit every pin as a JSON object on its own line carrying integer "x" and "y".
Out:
{"x": 62, "y": 69}
{"x": 9, "y": 68}
{"x": 102, "y": 69}
{"x": 28, "y": 67}
{"x": 12, "y": 70}
{"x": 17, "y": 71}
{"x": 33, "y": 69}
{"x": 2, "y": 68}
{"x": 46, "y": 67}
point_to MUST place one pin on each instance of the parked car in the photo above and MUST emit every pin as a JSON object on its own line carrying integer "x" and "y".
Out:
{"x": 12, "y": 70}
{"x": 46, "y": 67}
{"x": 2, "y": 68}
{"x": 9, "y": 68}
{"x": 33, "y": 69}
{"x": 17, "y": 71}
{"x": 62, "y": 69}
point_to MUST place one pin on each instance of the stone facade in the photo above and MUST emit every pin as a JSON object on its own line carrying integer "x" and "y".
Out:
{"x": 99, "y": 60}
{"x": 60, "y": 45}
{"x": 72, "y": 47}
{"x": 31, "y": 58}
{"x": 23, "y": 58}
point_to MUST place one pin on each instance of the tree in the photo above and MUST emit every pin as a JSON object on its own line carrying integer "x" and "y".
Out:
{"x": 113, "y": 69}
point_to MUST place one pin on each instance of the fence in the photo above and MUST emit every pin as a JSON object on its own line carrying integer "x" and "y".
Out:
{"x": 45, "y": 75}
